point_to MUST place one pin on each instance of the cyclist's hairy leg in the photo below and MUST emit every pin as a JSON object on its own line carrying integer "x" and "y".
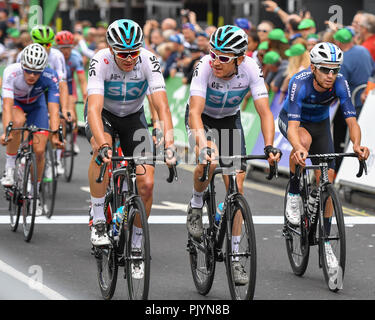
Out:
{"x": 97, "y": 190}
{"x": 237, "y": 223}
{"x": 18, "y": 119}
{"x": 145, "y": 184}
{"x": 39, "y": 144}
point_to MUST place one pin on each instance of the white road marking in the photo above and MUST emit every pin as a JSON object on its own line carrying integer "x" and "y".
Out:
{"x": 180, "y": 219}
{"x": 41, "y": 288}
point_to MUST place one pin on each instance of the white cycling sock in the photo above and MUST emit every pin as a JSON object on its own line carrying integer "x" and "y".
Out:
{"x": 197, "y": 199}
{"x": 10, "y": 160}
{"x": 235, "y": 246}
{"x": 97, "y": 209}
{"x": 137, "y": 237}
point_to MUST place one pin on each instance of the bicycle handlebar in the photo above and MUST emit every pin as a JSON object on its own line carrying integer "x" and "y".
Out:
{"x": 274, "y": 172}
{"x": 172, "y": 170}
{"x": 327, "y": 157}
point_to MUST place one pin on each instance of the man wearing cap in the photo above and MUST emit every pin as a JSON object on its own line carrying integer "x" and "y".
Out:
{"x": 357, "y": 67}
{"x": 277, "y": 67}
{"x": 306, "y": 27}
{"x": 312, "y": 40}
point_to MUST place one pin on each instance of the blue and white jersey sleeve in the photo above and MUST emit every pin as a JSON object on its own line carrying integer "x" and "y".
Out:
{"x": 296, "y": 94}
{"x": 152, "y": 70}
{"x": 343, "y": 93}
{"x": 199, "y": 82}
{"x": 256, "y": 79}
{"x": 52, "y": 83}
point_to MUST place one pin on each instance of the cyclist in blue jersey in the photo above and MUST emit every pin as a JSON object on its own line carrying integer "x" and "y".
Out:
{"x": 24, "y": 101}
{"x": 74, "y": 63}
{"x": 304, "y": 119}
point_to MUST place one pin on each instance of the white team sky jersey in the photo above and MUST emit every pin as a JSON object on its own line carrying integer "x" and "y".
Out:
{"x": 224, "y": 97}
{"x": 56, "y": 61}
{"x": 124, "y": 92}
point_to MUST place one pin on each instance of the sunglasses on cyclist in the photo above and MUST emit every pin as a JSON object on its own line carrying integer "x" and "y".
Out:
{"x": 326, "y": 70}
{"x": 46, "y": 45}
{"x": 222, "y": 58}
{"x": 32, "y": 72}
{"x": 124, "y": 55}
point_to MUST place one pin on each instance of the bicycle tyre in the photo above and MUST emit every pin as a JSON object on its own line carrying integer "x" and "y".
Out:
{"x": 29, "y": 196}
{"x": 15, "y": 200}
{"x": 204, "y": 273}
{"x": 247, "y": 250}
{"x": 68, "y": 153}
{"x": 297, "y": 243}
{"x": 48, "y": 187}
{"x": 333, "y": 277}
{"x": 138, "y": 290}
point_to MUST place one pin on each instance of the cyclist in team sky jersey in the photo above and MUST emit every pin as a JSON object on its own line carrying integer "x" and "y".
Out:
{"x": 23, "y": 90}
{"x": 220, "y": 82}
{"x": 119, "y": 77}
{"x": 304, "y": 119}
{"x": 74, "y": 63}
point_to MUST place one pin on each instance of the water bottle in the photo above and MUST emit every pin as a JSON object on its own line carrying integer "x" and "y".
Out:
{"x": 117, "y": 220}
{"x": 219, "y": 214}
{"x": 312, "y": 207}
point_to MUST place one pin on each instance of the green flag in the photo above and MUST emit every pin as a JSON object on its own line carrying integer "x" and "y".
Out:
{"x": 49, "y": 9}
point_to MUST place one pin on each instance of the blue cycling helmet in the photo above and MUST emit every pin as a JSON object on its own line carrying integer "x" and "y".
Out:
{"x": 124, "y": 34}
{"x": 243, "y": 23}
{"x": 229, "y": 39}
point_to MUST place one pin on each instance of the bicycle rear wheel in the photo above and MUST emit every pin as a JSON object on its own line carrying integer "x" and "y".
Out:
{"x": 48, "y": 185}
{"x": 202, "y": 255}
{"x": 106, "y": 259}
{"x": 15, "y": 196}
{"x": 137, "y": 251}
{"x": 241, "y": 252}
{"x": 29, "y": 194}
{"x": 297, "y": 242}
{"x": 68, "y": 153}
{"x": 332, "y": 240}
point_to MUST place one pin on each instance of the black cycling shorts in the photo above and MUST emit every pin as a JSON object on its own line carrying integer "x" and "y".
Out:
{"x": 135, "y": 138}
{"x": 320, "y": 133}
{"x": 227, "y": 133}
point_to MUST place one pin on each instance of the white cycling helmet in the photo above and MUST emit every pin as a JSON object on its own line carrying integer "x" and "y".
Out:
{"x": 124, "y": 34}
{"x": 34, "y": 57}
{"x": 230, "y": 39}
{"x": 326, "y": 52}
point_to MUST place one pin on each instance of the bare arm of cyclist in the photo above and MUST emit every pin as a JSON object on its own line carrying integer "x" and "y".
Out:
{"x": 94, "y": 111}
{"x": 83, "y": 84}
{"x": 8, "y": 103}
{"x": 355, "y": 137}
{"x": 293, "y": 138}
{"x": 53, "y": 110}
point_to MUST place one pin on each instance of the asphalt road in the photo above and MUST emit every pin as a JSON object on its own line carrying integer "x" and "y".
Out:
{"x": 57, "y": 263}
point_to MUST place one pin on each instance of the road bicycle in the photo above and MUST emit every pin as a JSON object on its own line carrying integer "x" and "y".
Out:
{"x": 122, "y": 252}
{"x": 211, "y": 248}
{"x": 23, "y": 195}
{"x": 321, "y": 223}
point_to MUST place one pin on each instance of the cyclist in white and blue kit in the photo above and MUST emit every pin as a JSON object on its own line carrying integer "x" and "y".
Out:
{"x": 220, "y": 82}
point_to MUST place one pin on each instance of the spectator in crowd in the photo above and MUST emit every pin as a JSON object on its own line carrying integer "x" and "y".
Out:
{"x": 299, "y": 59}
{"x": 101, "y": 29}
{"x": 188, "y": 30}
{"x": 306, "y": 27}
{"x": 3, "y": 25}
{"x": 264, "y": 29}
{"x": 167, "y": 59}
{"x": 147, "y": 28}
{"x": 277, "y": 67}
{"x": 367, "y": 32}
{"x": 356, "y": 26}
{"x": 188, "y": 16}
{"x": 169, "y": 24}
{"x": 156, "y": 39}
{"x": 203, "y": 42}
{"x": 210, "y": 30}
{"x": 357, "y": 67}
{"x": 262, "y": 50}
{"x": 244, "y": 24}
{"x": 278, "y": 42}
{"x": 312, "y": 40}
{"x": 253, "y": 42}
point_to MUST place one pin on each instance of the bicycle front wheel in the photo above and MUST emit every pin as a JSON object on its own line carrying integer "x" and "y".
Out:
{"x": 106, "y": 259}
{"x": 240, "y": 258}
{"x": 68, "y": 153}
{"x": 48, "y": 185}
{"x": 137, "y": 251}
{"x": 29, "y": 194}
{"x": 332, "y": 240}
{"x": 297, "y": 242}
{"x": 202, "y": 256}
{"x": 15, "y": 195}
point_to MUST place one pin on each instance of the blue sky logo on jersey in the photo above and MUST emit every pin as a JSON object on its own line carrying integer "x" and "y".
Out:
{"x": 135, "y": 90}
{"x": 113, "y": 90}
{"x": 215, "y": 99}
